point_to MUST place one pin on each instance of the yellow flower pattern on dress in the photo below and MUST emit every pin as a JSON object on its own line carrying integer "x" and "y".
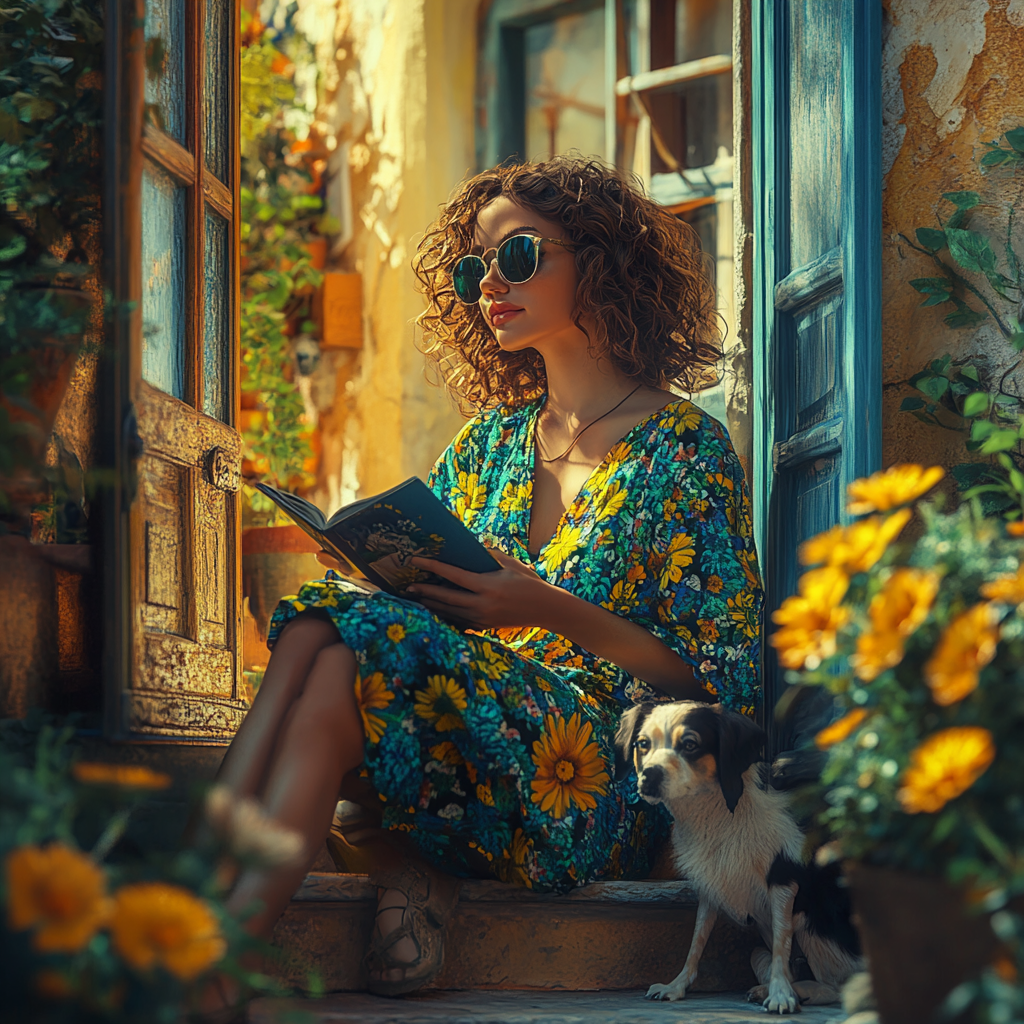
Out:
{"x": 890, "y": 488}
{"x": 490, "y": 747}
{"x": 964, "y": 649}
{"x": 59, "y": 893}
{"x": 155, "y": 924}
{"x": 945, "y": 765}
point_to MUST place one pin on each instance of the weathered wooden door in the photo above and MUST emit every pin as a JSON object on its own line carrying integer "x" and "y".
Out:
{"x": 181, "y": 612}
{"x": 816, "y": 96}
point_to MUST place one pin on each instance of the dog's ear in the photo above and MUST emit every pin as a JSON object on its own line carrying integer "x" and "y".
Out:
{"x": 629, "y": 726}
{"x": 740, "y": 741}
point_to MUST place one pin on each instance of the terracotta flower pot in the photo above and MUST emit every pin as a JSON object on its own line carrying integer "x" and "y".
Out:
{"x": 920, "y": 938}
{"x": 276, "y": 561}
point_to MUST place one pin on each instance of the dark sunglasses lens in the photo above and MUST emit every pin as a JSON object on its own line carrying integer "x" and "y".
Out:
{"x": 517, "y": 259}
{"x": 466, "y": 278}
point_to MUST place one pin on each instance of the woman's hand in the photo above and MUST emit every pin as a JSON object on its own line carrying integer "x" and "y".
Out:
{"x": 513, "y": 596}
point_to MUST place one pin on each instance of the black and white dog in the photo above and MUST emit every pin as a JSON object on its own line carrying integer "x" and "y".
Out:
{"x": 735, "y": 840}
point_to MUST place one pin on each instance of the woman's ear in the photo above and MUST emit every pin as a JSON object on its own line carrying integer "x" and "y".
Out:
{"x": 629, "y": 726}
{"x": 740, "y": 742}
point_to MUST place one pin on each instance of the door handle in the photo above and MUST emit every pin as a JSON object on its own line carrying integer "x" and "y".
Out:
{"x": 224, "y": 469}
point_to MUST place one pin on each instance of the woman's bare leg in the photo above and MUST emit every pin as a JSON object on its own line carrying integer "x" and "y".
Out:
{"x": 322, "y": 741}
{"x": 245, "y": 765}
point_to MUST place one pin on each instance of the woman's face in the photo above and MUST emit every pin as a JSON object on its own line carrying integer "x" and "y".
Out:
{"x": 536, "y": 314}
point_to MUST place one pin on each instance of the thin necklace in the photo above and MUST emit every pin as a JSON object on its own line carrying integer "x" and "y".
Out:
{"x": 590, "y": 424}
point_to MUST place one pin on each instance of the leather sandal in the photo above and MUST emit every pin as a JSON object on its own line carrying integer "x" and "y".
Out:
{"x": 431, "y": 898}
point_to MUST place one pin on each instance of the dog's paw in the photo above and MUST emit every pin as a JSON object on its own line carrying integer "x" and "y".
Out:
{"x": 781, "y": 999}
{"x": 666, "y": 993}
{"x": 758, "y": 994}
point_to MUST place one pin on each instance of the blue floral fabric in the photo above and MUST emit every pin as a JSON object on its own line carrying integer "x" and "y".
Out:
{"x": 493, "y": 748}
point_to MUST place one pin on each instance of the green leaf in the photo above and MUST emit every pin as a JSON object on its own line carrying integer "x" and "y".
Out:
{"x": 910, "y": 404}
{"x": 971, "y": 249}
{"x": 1000, "y": 441}
{"x": 931, "y": 285}
{"x": 981, "y": 429}
{"x": 1015, "y": 137}
{"x": 934, "y": 387}
{"x": 969, "y": 474}
{"x": 969, "y": 371}
{"x": 976, "y": 404}
{"x": 931, "y": 238}
{"x": 964, "y": 316}
{"x": 997, "y": 157}
{"x": 1017, "y": 340}
{"x": 962, "y": 200}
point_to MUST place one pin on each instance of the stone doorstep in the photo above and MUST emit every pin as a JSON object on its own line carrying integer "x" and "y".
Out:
{"x": 489, "y": 1007}
{"x": 605, "y": 936}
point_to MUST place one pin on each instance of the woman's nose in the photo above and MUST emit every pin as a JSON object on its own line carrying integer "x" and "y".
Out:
{"x": 492, "y": 282}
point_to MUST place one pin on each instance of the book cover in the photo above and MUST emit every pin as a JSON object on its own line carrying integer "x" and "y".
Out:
{"x": 380, "y": 535}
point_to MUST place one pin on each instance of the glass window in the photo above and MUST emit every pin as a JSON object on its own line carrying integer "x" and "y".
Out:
{"x": 216, "y": 318}
{"x": 216, "y": 86}
{"x": 565, "y": 85}
{"x": 165, "y": 66}
{"x": 163, "y": 282}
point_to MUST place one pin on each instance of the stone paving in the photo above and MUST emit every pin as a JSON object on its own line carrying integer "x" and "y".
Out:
{"x": 491, "y": 1007}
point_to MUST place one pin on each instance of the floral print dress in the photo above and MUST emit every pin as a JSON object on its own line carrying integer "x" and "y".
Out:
{"x": 493, "y": 748}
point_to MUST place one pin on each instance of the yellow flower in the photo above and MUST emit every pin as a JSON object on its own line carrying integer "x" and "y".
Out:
{"x": 515, "y": 497}
{"x": 609, "y": 502}
{"x": 743, "y": 611}
{"x": 895, "y": 613}
{"x": 446, "y": 752}
{"x": 564, "y": 543}
{"x": 811, "y": 619}
{"x": 570, "y": 767}
{"x": 470, "y": 496}
{"x": 58, "y": 892}
{"x": 1016, "y": 529}
{"x": 492, "y": 662}
{"x": 484, "y": 794}
{"x": 1006, "y": 589}
{"x": 966, "y": 646}
{"x": 890, "y": 488}
{"x": 372, "y": 695}
{"x": 514, "y": 867}
{"x": 158, "y": 924}
{"x": 856, "y": 547}
{"x": 945, "y": 765}
{"x": 688, "y": 417}
{"x": 839, "y": 730}
{"x": 441, "y": 703}
{"x": 127, "y": 776}
{"x": 396, "y": 632}
{"x": 678, "y": 556}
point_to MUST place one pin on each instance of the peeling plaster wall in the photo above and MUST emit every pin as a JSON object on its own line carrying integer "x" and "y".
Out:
{"x": 952, "y": 79}
{"x": 400, "y": 80}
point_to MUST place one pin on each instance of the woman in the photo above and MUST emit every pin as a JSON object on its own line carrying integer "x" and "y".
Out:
{"x": 561, "y": 302}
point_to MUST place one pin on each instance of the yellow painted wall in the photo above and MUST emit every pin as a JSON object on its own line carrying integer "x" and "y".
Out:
{"x": 953, "y": 78}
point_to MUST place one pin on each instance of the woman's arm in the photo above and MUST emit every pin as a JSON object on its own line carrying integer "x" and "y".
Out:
{"x": 517, "y": 596}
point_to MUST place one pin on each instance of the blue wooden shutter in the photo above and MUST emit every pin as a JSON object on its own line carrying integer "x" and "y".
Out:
{"x": 816, "y": 120}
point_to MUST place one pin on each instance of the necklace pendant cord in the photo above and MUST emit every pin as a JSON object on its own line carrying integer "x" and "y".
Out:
{"x": 558, "y": 458}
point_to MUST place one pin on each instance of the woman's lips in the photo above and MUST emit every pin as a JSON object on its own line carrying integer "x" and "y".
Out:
{"x": 503, "y": 316}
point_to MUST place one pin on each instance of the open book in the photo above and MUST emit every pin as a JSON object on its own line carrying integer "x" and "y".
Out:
{"x": 379, "y": 535}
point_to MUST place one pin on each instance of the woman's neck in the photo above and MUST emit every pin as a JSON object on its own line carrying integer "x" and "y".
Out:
{"x": 581, "y": 386}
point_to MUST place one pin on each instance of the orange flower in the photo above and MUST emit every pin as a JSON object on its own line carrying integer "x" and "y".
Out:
{"x": 945, "y": 765}
{"x": 58, "y": 892}
{"x": 897, "y": 485}
{"x": 372, "y": 694}
{"x": 964, "y": 649}
{"x": 811, "y": 619}
{"x": 1006, "y": 589}
{"x": 875, "y": 653}
{"x": 857, "y": 547}
{"x": 840, "y": 729}
{"x": 158, "y": 924}
{"x": 570, "y": 767}
{"x": 1016, "y": 529}
{"x": 128, "y": 776}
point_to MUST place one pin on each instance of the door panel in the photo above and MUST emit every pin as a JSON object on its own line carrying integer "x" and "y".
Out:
{"x": 817, "y": 280}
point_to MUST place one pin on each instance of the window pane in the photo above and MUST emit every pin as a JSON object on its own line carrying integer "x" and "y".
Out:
{"x": 165, "y": 65}
{"x": 163, "y": 282}
{"x": 216, "y": 90}
{"x": 565, "y": 85}
{"x": 217, "y": 318}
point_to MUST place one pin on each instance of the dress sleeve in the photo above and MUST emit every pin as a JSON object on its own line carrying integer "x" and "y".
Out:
{"x": 704, "y": 565}
{"x": 457, "y": 464}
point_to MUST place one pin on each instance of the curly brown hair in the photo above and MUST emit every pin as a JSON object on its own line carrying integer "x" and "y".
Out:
{"x": 643, "y": 281}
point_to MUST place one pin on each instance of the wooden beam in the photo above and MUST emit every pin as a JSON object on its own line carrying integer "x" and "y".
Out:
{"x": 218, "y": 196}
{"x": 718, "y": 64}
{"x": 170, "y": 155}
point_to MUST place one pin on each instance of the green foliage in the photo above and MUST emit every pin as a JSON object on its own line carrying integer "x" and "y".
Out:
{"x": 51, "y": 58}
{"x": 980, "y": 273}
{"x": 279, "y": 218}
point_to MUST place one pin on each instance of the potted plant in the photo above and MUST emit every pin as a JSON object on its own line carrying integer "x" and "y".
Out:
{"x": 915, "y": 622}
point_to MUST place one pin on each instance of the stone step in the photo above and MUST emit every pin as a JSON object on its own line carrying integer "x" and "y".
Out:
{"x": 605, "y": 936}
{"x": 490, "y": 1007}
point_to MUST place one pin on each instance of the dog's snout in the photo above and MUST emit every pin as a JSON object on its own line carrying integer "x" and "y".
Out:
{"x": 651, "y": 780}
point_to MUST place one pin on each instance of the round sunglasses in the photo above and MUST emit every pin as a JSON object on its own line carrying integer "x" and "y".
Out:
{"x": 518, "y": 258}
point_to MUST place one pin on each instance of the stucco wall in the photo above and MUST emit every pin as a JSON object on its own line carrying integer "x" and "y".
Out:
{"x": 952, "y": 79}
{"x": 399, "y": 104}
